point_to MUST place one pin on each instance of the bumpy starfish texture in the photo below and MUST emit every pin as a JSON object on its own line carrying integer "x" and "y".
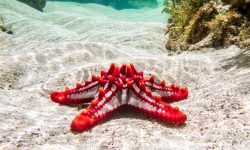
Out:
{"x": 122, "y": 86}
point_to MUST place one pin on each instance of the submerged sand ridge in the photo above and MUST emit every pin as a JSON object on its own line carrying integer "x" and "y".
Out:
{"x": 51, "y": 50}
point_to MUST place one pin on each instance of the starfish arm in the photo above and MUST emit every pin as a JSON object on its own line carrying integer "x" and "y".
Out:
{"x": 155, "y": 107}
{"x": 135, "y": 71}
{"x": 101, "y": 108}
{"x": 169, "y": 93}
{"x": 82, "y": 93}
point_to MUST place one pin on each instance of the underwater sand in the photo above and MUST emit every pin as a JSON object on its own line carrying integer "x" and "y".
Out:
{"x": 69, "y": 42}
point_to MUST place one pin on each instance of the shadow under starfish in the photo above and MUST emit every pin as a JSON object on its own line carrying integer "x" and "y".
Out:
{"x": 122, "y": 87}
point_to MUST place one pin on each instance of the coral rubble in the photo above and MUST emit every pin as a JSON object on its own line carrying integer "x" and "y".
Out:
{"x": 5, "y": 28}
{"x": 207, "y": 23}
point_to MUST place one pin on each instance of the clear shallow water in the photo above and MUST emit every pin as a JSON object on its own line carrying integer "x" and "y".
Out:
{"x": 69, "y": 41}
{"x": 121, "y": 4}
{"x": 144, "y": 14}
{"x": 127, "y": 29}
{"x": 77, "y": 31}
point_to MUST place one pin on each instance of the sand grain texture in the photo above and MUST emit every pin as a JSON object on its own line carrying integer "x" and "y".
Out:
{"x": 68, "y": 43}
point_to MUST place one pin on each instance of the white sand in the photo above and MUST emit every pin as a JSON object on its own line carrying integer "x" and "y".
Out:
{"x": 66, "y": 44}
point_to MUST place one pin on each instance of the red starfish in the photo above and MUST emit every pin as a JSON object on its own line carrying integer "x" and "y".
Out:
{"x": 122, "y": 86}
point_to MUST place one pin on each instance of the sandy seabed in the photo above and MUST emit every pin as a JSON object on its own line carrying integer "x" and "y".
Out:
{"x": 68, "y": 43}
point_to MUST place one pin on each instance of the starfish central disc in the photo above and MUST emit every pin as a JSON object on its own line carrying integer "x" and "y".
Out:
{"x": 122, "y": 86}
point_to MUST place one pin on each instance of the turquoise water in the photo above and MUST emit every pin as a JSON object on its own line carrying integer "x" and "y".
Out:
{"x": 120, "y": 4}
{"x": 146, "y": 14}
{"x": 137, "y": 30}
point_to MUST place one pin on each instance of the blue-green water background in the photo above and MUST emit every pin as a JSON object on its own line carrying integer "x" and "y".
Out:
{"x": 149, "y": 13}
{"x": 120, "y": 4}
{"x": 140, "y": 29}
